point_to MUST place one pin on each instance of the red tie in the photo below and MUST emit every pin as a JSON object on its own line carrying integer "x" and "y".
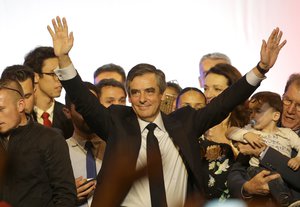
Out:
{"x": 46, "y": 120}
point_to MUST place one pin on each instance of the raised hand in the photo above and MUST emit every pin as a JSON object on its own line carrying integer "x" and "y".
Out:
{"x": 62, "y": 39}
{"x": 270, "y": 49}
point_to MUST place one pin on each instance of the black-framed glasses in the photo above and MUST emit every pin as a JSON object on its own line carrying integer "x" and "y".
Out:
{"x": 53, "y": 75}
{"x": 286, "y": 101}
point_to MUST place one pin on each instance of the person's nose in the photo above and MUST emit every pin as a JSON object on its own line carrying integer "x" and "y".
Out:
{"x": 209, "y": 95}
{"x": 291, "y": 108}
{"x": 252, "y": 115}
{"x": 142, "y": 98}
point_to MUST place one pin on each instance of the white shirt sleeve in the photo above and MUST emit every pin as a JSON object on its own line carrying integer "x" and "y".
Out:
{"x": 238, "y": 135}
{"x": 252, "y": 79}
{"x": 70, "y": 72}
{"x": 66, "y": 73}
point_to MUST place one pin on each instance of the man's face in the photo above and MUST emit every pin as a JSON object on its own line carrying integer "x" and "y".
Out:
{"x": 49, "y": 83}
{"x": 263, "y": 115}
{"x": 112, "y": 95}
{"x": 290, "y": 116}
{"x": 109, "y": 75}
{"x": 192, "y": 98}
{"x": 205, "y": 66}
{"x": 28, "y": 90}
{"x": 145, "y": 96}
{"x": 10, "y": 109}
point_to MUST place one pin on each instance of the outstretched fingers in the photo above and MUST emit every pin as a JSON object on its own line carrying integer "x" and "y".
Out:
{"x": 65, "y": 25}
{"x": 50, "y": 31}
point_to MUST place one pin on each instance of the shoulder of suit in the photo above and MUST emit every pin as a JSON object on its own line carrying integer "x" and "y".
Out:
{"x": 58, "y": 104}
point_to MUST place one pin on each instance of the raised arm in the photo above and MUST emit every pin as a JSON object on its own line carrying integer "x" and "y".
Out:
{"x": 62, "y": 41}
{"x": 269, "y": 52}
{"x": 86, "y": 103}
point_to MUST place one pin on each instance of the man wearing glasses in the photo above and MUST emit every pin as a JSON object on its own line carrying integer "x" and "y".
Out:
{"x": 47, "y": 111}
{"x": 291, "y": 104}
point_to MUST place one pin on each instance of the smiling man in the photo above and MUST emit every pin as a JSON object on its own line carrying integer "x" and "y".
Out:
{"x": 291, "y": 104}
{"x": 141, "y": 135}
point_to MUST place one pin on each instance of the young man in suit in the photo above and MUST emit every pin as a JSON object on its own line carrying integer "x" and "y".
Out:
{"x": 141, "y": 135}
{"x": 47, "y": 111}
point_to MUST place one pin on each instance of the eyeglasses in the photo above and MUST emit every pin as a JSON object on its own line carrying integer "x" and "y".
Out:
{"x": 53, "y": 75}
{"x": 289, "y": 102}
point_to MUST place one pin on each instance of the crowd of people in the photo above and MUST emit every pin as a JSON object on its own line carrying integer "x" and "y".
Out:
{"x": 172, "y": 147}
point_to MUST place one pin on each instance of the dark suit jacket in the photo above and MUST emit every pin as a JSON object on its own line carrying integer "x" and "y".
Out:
{"x": 272, "y": 160}
{"x": 118, "y": 125}
{"x": 38, "y": 171}
{"x": 60, "y": 121}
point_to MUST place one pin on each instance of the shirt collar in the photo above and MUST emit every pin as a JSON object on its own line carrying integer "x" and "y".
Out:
{"x": 81, "y": 140}
{"x": 39, "y": 111}
{"x": 158, "y": 121}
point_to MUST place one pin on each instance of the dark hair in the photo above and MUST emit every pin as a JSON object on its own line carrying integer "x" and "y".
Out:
{"x": 175, "y": 86}
{"x": 109, "y": 82}
{"x": 18, "y": 73}
{"x": 273, "y": 99}
{"x": 228, "y": 71}
{"x": 89, "y": 85}
{"x": 183, "y": 91}
{"x": 12, "y": 85}
{"x": 294, "y": 78}
{"x": 240, "y": 115}
{"x": 35, "y": 58}
{"x": 110, "y": 68}
{"x": 145, "y": 68}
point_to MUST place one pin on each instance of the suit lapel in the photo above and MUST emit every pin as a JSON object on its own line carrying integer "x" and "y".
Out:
{"x": 133, "y": 134}
{"x": 180, "y": 140}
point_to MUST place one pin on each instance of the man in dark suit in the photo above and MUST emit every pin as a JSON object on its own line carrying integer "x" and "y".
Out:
{"x": 129, "y": 134}
{"x": 47, "y": 111}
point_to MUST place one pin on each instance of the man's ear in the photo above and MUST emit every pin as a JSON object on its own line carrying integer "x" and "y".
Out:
{"x": 21, "y": 105}
{"x": 276, "y": 116}
{"x": 36, "y": 78}
{"x": 67, "y": 112}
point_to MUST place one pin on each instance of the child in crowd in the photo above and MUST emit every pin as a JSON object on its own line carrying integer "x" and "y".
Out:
{"x": 265, "y": 111}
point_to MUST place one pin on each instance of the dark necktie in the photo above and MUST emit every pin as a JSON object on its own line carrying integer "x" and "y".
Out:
{"x": 155, "y": 170}
{"x": 46, "y": 120}
{"x": 91, "y": 171}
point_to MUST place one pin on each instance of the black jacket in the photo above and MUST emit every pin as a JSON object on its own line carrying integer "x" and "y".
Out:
{"x": 118, "y": 126}
{"x": 39, "y": 171}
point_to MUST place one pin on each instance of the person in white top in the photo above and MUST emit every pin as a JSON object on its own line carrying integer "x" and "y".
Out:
{"x": 265, "y": 112}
